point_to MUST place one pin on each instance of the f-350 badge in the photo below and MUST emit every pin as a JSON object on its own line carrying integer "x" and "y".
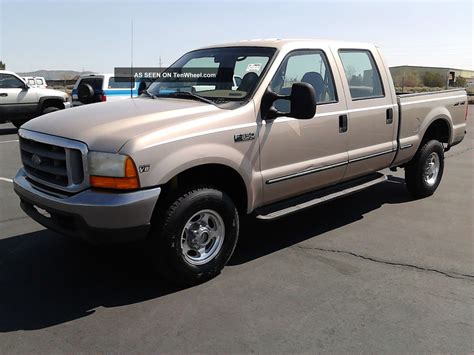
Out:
{"x": 244, "y": 137}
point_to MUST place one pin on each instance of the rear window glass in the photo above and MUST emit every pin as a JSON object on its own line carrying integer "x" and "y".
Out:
{"x": 362, "y": 74}
{"x": 120, "y": 83}
{"x": 96, "y": 83}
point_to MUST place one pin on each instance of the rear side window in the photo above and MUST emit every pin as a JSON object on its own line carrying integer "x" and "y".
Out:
{"x": 121, "y": 83}
{"x": 39, "y": 82}
{"x": 361, "y": 73}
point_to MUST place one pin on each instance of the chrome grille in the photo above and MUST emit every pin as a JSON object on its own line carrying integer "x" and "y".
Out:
{"x": 53, "y": 161}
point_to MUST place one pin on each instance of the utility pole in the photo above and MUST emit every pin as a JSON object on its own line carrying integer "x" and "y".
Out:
{"x": 159, "y": 61}
{"x": 131, "y": 61}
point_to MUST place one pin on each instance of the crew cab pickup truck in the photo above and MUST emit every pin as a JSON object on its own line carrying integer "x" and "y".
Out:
{"x": 310, "y": 121}
{"x": 20, "y": 102}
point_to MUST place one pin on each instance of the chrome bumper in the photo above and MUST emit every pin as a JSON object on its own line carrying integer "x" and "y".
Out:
{"x": 88, "y": 211}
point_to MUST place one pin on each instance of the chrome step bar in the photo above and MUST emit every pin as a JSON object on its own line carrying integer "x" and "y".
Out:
{"x": 296, "y": 204}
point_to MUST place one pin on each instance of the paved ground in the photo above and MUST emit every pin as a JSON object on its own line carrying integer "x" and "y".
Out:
{"x": 374, "y": 272}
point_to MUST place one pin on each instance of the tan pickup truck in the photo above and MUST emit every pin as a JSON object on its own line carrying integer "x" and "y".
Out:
{"x": 309, "y": 121}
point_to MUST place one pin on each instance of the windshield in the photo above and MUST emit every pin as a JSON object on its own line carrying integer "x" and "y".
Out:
{"x": 217, "y": 74}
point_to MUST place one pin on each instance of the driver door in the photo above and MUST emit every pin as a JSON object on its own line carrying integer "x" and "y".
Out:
{"x": 302, "y": 155}
{"x": 15, "y": 100}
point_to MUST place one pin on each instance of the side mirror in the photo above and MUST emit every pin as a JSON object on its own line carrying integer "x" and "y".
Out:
{"x": 141, "y": 87}
{"x": 302, "y": 103}
{"x": 26, "y": 86}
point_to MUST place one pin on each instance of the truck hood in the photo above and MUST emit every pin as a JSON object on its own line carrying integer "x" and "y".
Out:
{"x": 108, "y": 126}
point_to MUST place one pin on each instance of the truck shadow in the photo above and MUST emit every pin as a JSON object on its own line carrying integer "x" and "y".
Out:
{"x": 259, "y": 238}
{"x": 46, "y": 279}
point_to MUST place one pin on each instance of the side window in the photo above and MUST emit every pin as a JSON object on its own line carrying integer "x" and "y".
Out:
{"x": 307, "y": 66}
{"x": 8, "y": 81}
{"x": 247, "y": 71}
{"x": 39, "y": 82}
{"x": 362, "y": 74}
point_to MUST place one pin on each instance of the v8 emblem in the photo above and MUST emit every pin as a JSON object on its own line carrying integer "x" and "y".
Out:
{"x": 144, "y": 168}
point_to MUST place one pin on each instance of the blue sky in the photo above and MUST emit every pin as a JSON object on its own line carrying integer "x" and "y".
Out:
{"x": 96, "y": 35}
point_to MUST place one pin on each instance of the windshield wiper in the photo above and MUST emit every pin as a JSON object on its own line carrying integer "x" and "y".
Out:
{"x": 149, "y": 94}
{"x": 190, "y": 95}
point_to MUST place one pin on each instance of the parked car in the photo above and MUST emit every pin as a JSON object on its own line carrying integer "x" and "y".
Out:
{"x": 35, "y": 81}
{"x": 311, "y": 121}
{"x": 93, "y": 88}
{"x": 19, "y": 102}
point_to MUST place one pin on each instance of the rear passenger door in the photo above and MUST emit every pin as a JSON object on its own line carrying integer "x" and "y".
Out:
{"x": 371, "y": 112}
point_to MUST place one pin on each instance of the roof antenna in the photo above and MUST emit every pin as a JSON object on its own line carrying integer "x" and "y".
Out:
{"x": 131, "y": 62}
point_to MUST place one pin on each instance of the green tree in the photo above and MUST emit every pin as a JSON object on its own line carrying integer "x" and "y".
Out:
{"x": 2, "y": 65}
{"x": 409, "y": 80}
{"x": 460, "y": 82}
{"x": 433, "y": 80}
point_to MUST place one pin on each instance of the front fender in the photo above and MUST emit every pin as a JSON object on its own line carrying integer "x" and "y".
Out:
{"x": 168, "y": 160}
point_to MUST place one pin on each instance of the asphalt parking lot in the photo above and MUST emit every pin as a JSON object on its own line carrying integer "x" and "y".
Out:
{"x": 373, "y": 272}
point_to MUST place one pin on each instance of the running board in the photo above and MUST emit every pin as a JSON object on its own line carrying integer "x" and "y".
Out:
{"x": 296, "y": 204}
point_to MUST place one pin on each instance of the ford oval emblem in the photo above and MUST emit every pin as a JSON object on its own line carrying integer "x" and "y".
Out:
{"x": 35, "y": 159}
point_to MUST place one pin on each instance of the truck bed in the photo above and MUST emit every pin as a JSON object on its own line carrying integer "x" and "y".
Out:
{"x": 418, "y": 110}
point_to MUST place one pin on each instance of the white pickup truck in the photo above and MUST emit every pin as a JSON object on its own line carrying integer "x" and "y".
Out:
{"x": 310, "y": 121}
{"x": 20, "y": 102}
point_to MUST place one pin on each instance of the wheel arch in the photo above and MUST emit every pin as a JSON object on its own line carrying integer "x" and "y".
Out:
{"x": 437, "y": 124}
{"x": 439, "y": 128}
{"x": 50, "y": 101}
{"x": 218, "y": 175}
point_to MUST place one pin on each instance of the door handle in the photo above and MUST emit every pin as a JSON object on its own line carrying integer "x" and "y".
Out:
{"x": 389, "y": 116}
{"x": 342, "y": 123}
{"x": 3, "y": 94}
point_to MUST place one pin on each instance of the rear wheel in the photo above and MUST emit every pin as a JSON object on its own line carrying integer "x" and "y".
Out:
{"x": 194, "y": 237}
{"x": 423, "y": 174}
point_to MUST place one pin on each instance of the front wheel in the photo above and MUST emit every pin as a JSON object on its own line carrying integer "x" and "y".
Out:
{"x": 194, "y": 237}
{"x": 50, "y": 109}
{"x": 423, "y": 174}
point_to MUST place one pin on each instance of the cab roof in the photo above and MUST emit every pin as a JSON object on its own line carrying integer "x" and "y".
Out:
{"x": 281, "y": 43}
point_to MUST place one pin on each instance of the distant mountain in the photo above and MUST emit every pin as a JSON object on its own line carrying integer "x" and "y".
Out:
{"x": 55, "y": 74}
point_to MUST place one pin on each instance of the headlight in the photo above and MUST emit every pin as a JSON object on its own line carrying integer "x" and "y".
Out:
{"x": 114, "y": 171}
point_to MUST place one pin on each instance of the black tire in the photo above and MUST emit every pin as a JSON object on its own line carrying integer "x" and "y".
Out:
{"x": 50, "y": 109}
{"x": 415, "y": 177}
{"x": 168, "y": 228}
{"x": 85, "y": 93}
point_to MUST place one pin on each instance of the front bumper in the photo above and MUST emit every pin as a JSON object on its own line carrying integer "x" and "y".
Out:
{"x": 95, "y": 216}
